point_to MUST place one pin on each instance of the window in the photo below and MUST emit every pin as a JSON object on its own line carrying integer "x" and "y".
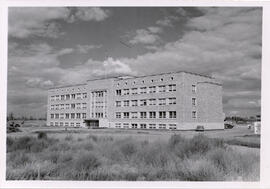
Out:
{"x": 57, "y": 97}
{"x": 56, "y": 116}
{"x": 57, "y": 106}
{"x": 73, "y": 96}
{"x": 143, "y": 90}
{"x": 152, "y": 126}
{"x": 72, "y": 115}
{"x": 56, "y": 123}
{"x": 72, "y": 124}
{"x": 162, "y": 101}
{"x": 118, "y": 92}
{"x": 52, "y": 107}
{"x": 172, "y": 114}
{"x": 193, "y": 101}
{"x": 99, "y": 93}
{"x": 52, "y": 116}
{"x": 83, "y": 115}
{"x": 83, "y": 105}
{"x": 52, "y": 98}
{"x": 134, "y": 103}
{"x": 72, "y": 106}
{"x": 152, "y": 114}
{"x": 162, "y": 114}
{"x": 118, "y": 125}
{"x": 118, "y": 114}
{"x": 84, "y": 95}
{"x": 134, "y": 115}
{"x": 143, "y": 126}
{"x": 134, "y": 125}
{"x": 172, "y": 78}
{"x": 78, "y": 124}
{"x": 78, "y": 105}
{"x": 51, "y": 123}
{"x": 67, "y": 97}
{"x": 152, "y": 101}
{"x": 66, "y": 124}
{"x": 134, "y": 91}
{"x": 62, "y": 106}
{"x": 162, "y": 88}
{"x": 143, "y": 102}
{"x": 62, "y": 97}
{"x": 172, "y": 101}
{"x": 162, "y": 126}
{"x": 193, "y": 88}
{"x": 126, "y": 102}
{"x": 126, "y": 92}
{"x": 67, "y": 116}
{"x": 62, "y": 116}
{"x": 126, "y": 115}
{"x": 172, "y": 87}
{"x": 78, "y": 115}
{"x": 143, "y": 114}
{"x": 118, "y": 103}
{"x": 61, "y": 124}
{"x": 99, "y": 114}
{"x": 161, "y": 79}
{"x": 126, "y": 125}
{"x": 152, "y": 89}
{"x": 67, "y": 106}
{"x": 194, "y": 114}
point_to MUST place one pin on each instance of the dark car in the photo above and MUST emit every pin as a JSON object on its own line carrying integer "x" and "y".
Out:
{"x": 228, "y": 126}
{"x": 200, "y": 128}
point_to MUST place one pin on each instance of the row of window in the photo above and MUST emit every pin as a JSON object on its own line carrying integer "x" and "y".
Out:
{"x": 99, "y": 93}
{"x": 68, "y": 106}
{"x": 146, "y": 126}
{"x": 99, "y": 115}
{"x": 69, "y": 96}
{"x": 66, "y": 124}
{"x": 144, "y": 115}
{"x": 152, "y": 80}
{"x": 145, "y": 102}
{"x": 68, "y": 116}
{"x": 143, "y": 90}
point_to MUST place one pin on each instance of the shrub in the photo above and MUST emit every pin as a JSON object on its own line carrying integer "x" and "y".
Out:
{"x": 10, "y": 142}
{"x": 68, "y": 138}
{"x": 221, "y": 158}
{"x": 198, "y": 170}
{"x": 88, "y": 145}
{"x": 42, "y": 135}
{"x": 87, "y": 162}
{"x": 127, "y": 147}
{"x": 175, "y": 139}
{"x": 93, "y": 137}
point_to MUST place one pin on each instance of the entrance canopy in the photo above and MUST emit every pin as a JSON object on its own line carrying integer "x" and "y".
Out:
{"x": 92, "y": 123}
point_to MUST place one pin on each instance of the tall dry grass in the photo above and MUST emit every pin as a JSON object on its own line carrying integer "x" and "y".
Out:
{"x": 96, "y": 157}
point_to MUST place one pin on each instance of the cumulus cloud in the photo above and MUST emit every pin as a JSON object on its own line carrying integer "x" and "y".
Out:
{"x": 86, "y": 48}
{"x": 93, "y": 13}
{"x": 43, "y": 22}
{"x": 24, "y": 22}
{"x": 145, "y": 36}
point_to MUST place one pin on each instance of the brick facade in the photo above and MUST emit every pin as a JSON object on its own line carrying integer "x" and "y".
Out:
{"x": 180, "y": 100}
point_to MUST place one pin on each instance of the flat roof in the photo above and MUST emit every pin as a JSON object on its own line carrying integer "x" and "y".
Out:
{"x": 133, "y": 77}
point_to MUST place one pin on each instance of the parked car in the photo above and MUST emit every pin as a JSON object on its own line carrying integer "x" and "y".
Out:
{"x": 200, "y": 128}
{"x": 228, "y": 126}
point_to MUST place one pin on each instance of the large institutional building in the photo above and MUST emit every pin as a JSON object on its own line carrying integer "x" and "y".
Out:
{"x": 176, "y": 101}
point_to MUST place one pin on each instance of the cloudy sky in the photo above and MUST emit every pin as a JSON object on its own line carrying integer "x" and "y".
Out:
{"x": 59, "y": 46}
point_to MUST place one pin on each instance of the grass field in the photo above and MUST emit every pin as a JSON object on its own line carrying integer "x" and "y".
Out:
{"x": 42, "y": 153}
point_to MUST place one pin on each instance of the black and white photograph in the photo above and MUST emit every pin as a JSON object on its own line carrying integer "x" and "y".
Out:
{"x": 112, "y": 93}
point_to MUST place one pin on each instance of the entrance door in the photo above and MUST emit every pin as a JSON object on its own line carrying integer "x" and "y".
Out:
{"x": 92, "y": 123}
